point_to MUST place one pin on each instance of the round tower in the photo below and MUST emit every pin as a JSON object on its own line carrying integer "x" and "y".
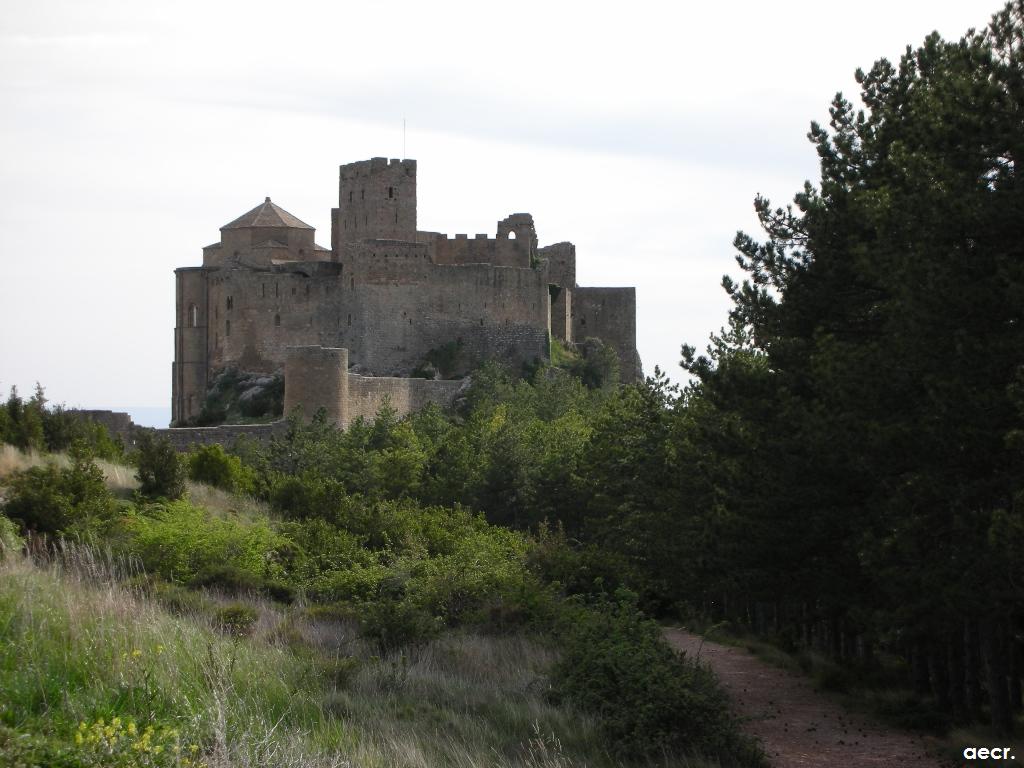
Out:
{"x": 317, "y": 377}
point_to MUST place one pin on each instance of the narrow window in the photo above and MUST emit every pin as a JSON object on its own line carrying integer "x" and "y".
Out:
{"x": 193, "y": 316}
{"x": 396, "y": 217}
{"x": 227, "y": 327}
{"x": 350, "y": 319}
{"x": 391, "y": 193}
{"x": 362, "y": 194}
{"x": 277, "y": 320}
{"x": 352, "y": 283}
{"x": 350, "y": 195}
{"x": 307, "y": 290}
{"x": 231, "y": 302}
{"x": 277, "y": 289}
{"x": 263, "y": 290}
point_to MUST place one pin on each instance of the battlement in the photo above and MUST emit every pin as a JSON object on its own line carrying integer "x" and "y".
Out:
{"x": 375, "y": 165}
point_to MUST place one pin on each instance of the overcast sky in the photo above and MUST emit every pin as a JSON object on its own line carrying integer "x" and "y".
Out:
{"x": 132, "y": 131}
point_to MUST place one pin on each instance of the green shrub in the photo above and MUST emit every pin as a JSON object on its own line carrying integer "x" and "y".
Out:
{"x": 160, "y": 471}
{"x": 63, "y": 428}
{"x": 178, "y": 541}
{"x": 598, "y": 366}
{"x": 396, "y": 623}
{"x": 178, "y": 599}
{"x": 237, "y": 619}
{"x": 212, "y": 465}
{"x": 358, "y": 584}
{"x": 10, "y": 541}
{"x": 227, "y": 578}
{"x": 650, "y": 699}
{"x": 50, "y": 500}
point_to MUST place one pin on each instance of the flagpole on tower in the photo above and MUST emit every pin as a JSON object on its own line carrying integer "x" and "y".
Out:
{"x": 403, "y": 138}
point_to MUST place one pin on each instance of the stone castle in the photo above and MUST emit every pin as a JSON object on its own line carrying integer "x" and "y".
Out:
{"x": 349, "y": 324}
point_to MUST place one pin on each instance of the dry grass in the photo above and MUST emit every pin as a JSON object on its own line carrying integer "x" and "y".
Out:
{"x": 223, "y": 503}
{"x": 120, "y": 477}
{"x": 77, "y": 644}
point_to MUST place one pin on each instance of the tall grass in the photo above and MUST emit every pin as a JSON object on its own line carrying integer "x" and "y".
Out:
{"x": 120, "y": 477}
{"x": 78, "y": 645}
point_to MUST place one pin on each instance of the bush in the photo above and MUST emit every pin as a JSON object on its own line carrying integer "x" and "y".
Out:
{"x": 212, "y": 465}
{"x": 10, "y": 541}
{"x": 50, "y": 500}
{"x": 160, "y": 471}
{"x": 178, "y": 542}
{"x": 227, "y": 578}
{"x": 397, "y": 623}
{"x": 650, "y": 699}
{"x": 598, "y": 368}
{"x": 177, "y": 599}
{"x": 237, "y": 619}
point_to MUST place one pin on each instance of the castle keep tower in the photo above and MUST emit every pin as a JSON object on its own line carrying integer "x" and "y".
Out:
{"x": 376, "y": 201}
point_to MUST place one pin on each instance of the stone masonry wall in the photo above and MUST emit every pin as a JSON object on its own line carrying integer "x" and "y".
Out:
{"x": 368, "y": 394}
{"x": 183, "y": 438}
{"x": 610, "y": 315}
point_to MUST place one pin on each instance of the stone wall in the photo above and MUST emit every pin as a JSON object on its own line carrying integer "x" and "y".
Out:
{"x": 610, "y": 315}
{"x": 366, "y": 395}
{"x": 387, "y": 303}
{"x": 183, "y": 438}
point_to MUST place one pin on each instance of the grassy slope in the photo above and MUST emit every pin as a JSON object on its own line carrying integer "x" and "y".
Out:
{"x": 297, "y": 692}
{"x": 78, "y": 644}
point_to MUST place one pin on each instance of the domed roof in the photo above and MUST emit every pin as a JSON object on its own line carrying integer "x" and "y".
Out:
{"x": 266, "y": 214}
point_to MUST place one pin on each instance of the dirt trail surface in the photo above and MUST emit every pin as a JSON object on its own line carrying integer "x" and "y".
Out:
{"x": 797, "y": 726}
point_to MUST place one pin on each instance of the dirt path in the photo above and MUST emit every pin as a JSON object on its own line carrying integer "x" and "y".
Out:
{"x": 799, "y": 727}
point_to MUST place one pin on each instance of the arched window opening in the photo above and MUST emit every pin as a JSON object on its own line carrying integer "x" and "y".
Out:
{"x": 193, "y": 316}
{"x": 511, "y": 235}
